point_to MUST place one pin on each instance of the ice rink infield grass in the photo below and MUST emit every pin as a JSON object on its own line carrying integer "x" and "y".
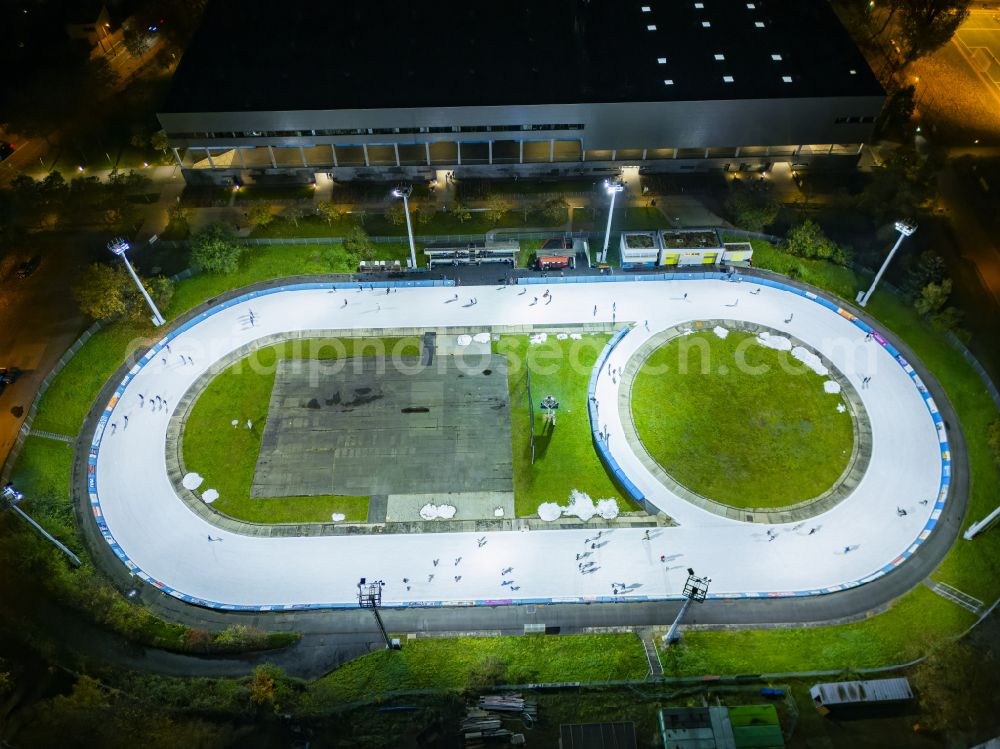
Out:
{"x": 740, "y": 423}
{"x": 226, "y": 456}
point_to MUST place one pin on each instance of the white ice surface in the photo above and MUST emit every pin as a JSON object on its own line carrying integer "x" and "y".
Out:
{"x": 191, "y": 481}
{"x": 210, "y": 495}
{"x": 831, "y": 387}
{"x": 720, "y": 331}
{"x": 167, "y": 540}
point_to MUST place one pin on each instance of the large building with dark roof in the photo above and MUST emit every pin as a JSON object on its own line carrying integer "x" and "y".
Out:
{"x": 387, "y": 89}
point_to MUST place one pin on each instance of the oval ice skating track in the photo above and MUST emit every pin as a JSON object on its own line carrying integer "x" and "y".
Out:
{"x": 155, "y": 534}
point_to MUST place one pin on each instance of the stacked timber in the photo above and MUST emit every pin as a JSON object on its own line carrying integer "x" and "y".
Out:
{"x": 508, "y": 703}
{"x": 479, "y": 727}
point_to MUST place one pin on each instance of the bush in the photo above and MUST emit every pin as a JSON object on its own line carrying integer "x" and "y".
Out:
{"x": 395, "y": 214}
{"x": 808, "y": 240}
{"x": 555, "y": 209}
{"x": 359, "y": 245}
{"x": 753, "y": 208}
{"x": 216, "y": 249}
{"x": 489, "y": 672}
{"x": 260, "y": 215}
{"x": 330, "y": 211}
{"x": 108, "y": 291}
{"x": 240, "y": 637}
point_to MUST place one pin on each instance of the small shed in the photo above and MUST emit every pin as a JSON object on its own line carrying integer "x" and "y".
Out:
{"x": 833, "y": 695}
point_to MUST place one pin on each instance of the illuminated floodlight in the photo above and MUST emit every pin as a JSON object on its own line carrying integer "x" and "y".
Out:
{"x": 119, "y": 247}
{"x": 905, "y": 229}
{"x": 612, "y": 188}
{"x": 404, "y": 192}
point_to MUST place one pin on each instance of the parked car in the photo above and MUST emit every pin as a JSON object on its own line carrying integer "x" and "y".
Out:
{"x": 7, "y": 376}
{"x": 6, "y": 149}
{"x": 28, "y": 267}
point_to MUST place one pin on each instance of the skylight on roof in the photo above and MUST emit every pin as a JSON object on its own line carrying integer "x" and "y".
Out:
{"x": 706, "y": 24}
{"x": 727, "y": 79}
{"x": 661, "y": 60}
{"x": 751, "y": 6}
{"x": 853, "y": 71}
{"x": 651, "y": 27}
{"x": 699, "y": 5}
{"x": 668, "y": 82}
{"x": 776, "y": 58}
{"x": 646, "y": 9}
{"x": 759, "y": 24}
{"x": 786, "y": 78}
{"x": 719, "y": 56}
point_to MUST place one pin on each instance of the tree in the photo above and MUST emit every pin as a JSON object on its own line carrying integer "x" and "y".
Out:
{"x": 260, "y": 215}
{"x": 956, "y": 685}
{"x": 216, "y": 249}
{"x": 395, "y": 214}
{"x": 899, "y": 187}
{"x": 106, "y": 291}
{"x": 261, "y": 687}
{"x": 424, "y": 215}
{"x": 753, "y": 208}
{"x": 330, "y": 211}
{"x": 293, "y": 213}
{"x": 136, "y": 39}
{"x": 931, "y": 304}
{"x": 929, "y": 267}
{"x": 460, "y": 213}
{"x": 808, "y": 240}
{"x": 159, "y": 141}
{"x": 895, "y": 122}
{"x": 929, "y": 24}
{"x": 359, "y": 245}
{"x": 933, "y": 297}
{"x": 555, "y": 210}
{"x": 497, "y": 207}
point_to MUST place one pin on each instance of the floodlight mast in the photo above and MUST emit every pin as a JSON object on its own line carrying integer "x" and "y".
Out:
{"x": 12, "y": 497}
{"x": 612, "y": 188}
{"x": 905, "y": 229}
{"x": 404, "y": 192}
{"x": 119, "y": 246}
{"x": 370, "y": 597}
{"x": 695, "y": 589}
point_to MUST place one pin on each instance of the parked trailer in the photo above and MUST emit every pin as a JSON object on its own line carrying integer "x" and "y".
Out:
{"x": 842, "y": 694}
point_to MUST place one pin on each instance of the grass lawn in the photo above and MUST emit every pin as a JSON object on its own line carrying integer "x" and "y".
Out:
{"x": 708, "y": 410}
{"x": 376, "y": 225}
{"x": 264, "y": 263}
{"x": 565, "y": 458}
{"x": 440, "y": 663}
{"x": 227, "y": 457}
{"x": 900, "y": 635}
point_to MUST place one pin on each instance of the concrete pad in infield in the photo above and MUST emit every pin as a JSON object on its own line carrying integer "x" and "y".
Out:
{"x": 372, "y": 426}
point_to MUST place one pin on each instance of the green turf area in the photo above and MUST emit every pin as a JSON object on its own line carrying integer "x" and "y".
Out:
{"x": 453, "y": 663}
{"x": 265, "y": 263}
{"x": 227, "y": 457}
{"x": 738, "y": 422}
{"x": 375, "y": 224}
{"x": 900, "y": 635}
{"x": 565, "y": 458}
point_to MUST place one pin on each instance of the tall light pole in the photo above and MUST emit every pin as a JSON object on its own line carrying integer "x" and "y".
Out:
{"x": 404, "y": 192}
{"x": 12, "y": 497}
{"x": 905, "y": 229}
{"x": 612, "y": 187}
{"x": 370, "y": 597}
{"x": 119, "y": 246}
{"x": 695, "y": 589}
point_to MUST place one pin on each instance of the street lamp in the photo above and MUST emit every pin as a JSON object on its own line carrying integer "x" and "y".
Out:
{"x": 12, "y": 497}
{"x": 695, "y": 589}
{"x": 905, "y": 229}
{"x": 613, "y": 188}
{"x": 119, "y": 246}
{"x": 404, "y": 192}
